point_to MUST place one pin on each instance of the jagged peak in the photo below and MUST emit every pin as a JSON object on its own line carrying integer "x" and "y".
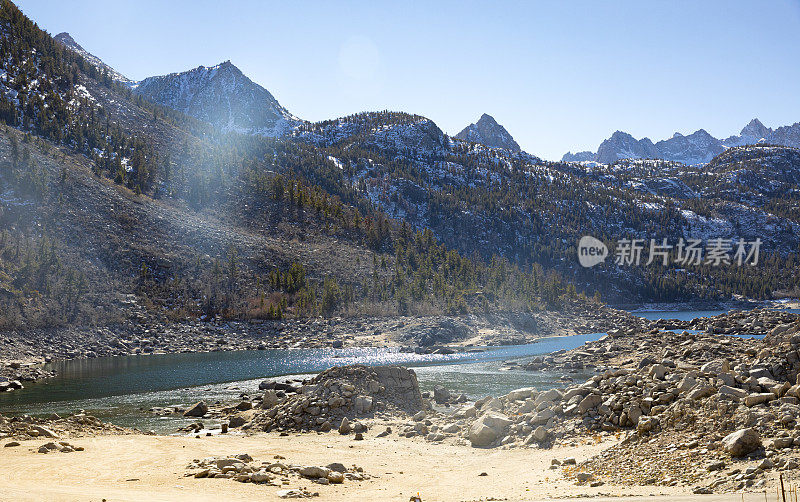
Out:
{"x": 489, "y": 132}
{"x": 755, "y": 122}
{"x": 701, "y": 132}
{"x": 226, "y": 65}
{"x": 621, "y": 134}
{"x": 66, "y": 39}
{"x": 755, "y": 128}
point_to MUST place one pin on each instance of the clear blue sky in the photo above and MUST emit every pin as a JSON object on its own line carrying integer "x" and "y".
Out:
{"x": 558, "y": 75}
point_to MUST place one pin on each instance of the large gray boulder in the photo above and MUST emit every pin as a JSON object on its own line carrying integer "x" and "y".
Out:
{"x": 440, "y": 394}
{"x": 270, "y": 399}
{"x": 589, "y": 402}
{"x": 488, "y": 428}
{"x": 741, "y": 442}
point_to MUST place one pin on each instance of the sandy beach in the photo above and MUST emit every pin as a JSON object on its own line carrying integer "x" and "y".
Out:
{"x": 151, "y": 468}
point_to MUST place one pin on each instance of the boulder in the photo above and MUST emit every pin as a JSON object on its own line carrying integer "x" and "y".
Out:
{"x": 260, "y": 476}
{"x": 542, "y": 417}
{"x": 521, "y": 394}
{"x": 314, "y": 472}
{"x": 658, "y": 371}
{"x": 270, "y": 399}
{"x": 451, "y": 429}
{"x": 589, "y": 402}
{"x": 488, "y": 428}
{"x": 701, "y": 391}
{"x": 687, "y": 383}
{"x": 344, "y": 427}
{"x": 441, "y": 395}
{"x": 741, "y": 442}
{"x": 716, "y": 367}
{"x": 647, "y": 425}
{"x": 363, "y": 404}
{"x": 196, "y": 410}
{"x": 540, "y": 434}
{"x": 43, "y": 431}
{"x": 548, "y": 396}
{"x": 492, "y": 404}
{"x": 756, "y": 399}
{"x": 733, "y": 391}
{"x": 236, "y": 421}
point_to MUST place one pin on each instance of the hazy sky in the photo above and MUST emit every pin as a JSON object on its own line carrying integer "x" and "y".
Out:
{"x": 558, "y": 75}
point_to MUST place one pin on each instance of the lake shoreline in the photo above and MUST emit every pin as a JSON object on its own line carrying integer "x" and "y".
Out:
{"x": 26, "y": 352}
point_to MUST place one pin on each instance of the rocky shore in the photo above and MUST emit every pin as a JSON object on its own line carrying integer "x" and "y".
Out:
{"x": 670, "y": 405}
{"x": 705, "y": 411}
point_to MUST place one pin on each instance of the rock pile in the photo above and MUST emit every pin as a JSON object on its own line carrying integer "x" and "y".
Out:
{"x": 276, "y": 472}
{"x": 663, "y": 378}
{"x": 61, "y": 446}
{"x": 689, "y": 413}
{"x": 27, "y": 427}
{"x": 13, "y": 373}
{"x": 740, "y": 323}
{"x": 347, "y": 393}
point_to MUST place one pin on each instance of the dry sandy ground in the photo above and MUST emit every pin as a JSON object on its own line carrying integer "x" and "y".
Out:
{"x": 150, "y": 468}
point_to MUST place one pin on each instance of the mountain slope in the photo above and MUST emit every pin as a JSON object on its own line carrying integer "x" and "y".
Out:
{"x": 488, "y": 132}
{"x": 221, "y": 95}
{"x": 490, "y": 201}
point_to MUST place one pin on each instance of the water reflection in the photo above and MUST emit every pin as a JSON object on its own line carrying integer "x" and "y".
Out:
{"x": 117, "y": 389}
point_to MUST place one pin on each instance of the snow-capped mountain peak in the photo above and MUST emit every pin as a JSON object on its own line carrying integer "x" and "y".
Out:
{"x": 221, "y": 95}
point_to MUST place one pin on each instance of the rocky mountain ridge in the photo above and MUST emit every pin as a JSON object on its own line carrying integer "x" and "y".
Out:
{"x": 67, "y": 41}
{"x": 693, "y": 149}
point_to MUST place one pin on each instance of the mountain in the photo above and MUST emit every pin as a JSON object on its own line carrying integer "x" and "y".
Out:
{"x": 762, "y": 168}
{"x": 67, "y": 41}
{"x": 584, "y": 156}
{"x": 487, "y": 131}
{"x": 223, "y": 96}
{"x": 373, "y": 212}
{"x": 622, "y": 145}
{"x": 756, "y": 132}
{"x": 497, "y": 203}
{"x": 696, "y": 148}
